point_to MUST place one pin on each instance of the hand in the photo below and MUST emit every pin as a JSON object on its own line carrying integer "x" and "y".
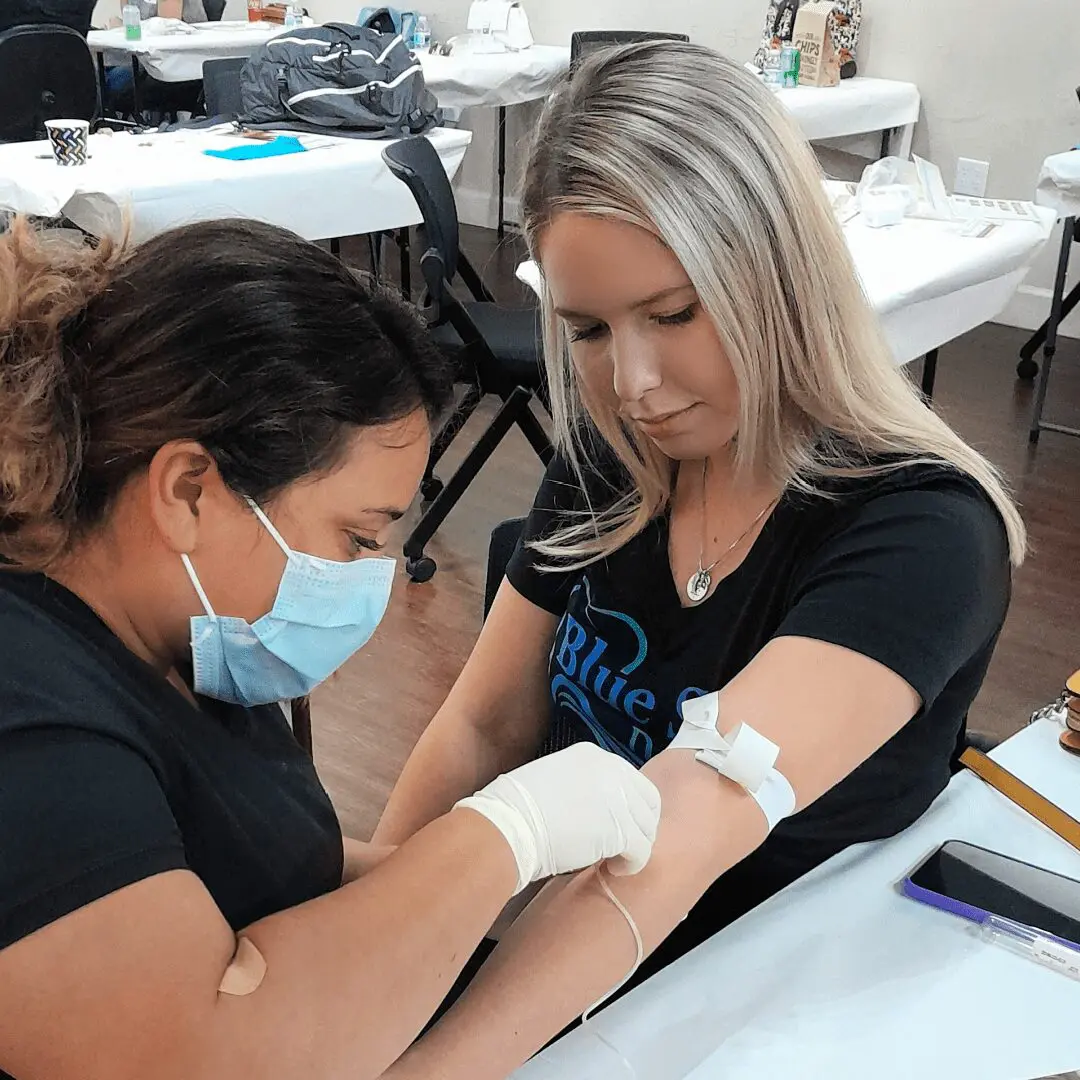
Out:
{"x": 570, "y": 810}
{"x": 360, "y": 857}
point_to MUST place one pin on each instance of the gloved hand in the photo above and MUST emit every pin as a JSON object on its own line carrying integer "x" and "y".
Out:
{"x": 570, "y": 810}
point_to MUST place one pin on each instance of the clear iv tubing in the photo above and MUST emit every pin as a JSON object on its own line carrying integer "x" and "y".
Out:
{"x": 1027, "y": 941}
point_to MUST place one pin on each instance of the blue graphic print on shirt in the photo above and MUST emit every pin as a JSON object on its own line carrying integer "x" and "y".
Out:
{"x": 592, "y": 664}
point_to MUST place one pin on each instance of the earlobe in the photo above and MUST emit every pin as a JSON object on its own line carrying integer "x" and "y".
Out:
{"x": 179, "y": 480}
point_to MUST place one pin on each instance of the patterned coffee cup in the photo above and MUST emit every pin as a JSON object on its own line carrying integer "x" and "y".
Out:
{"x": 69, "y": 140}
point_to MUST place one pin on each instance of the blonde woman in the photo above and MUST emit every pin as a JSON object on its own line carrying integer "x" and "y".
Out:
{"x": 749, "y": 498}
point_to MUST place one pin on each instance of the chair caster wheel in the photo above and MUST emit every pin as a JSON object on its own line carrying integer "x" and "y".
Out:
{"x": 431, "y": 489}
{"x": 1027, "y": 369}
{"x": 421, "y": 569}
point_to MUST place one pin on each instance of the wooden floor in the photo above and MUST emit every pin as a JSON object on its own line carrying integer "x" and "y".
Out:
{"x": 368, "y": 717}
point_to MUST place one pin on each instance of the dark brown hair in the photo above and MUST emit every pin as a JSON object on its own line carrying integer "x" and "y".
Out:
{"x": 257, "y": 344}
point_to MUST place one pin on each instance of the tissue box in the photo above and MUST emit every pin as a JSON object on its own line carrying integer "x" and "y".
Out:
{"x": 812, "y": 36}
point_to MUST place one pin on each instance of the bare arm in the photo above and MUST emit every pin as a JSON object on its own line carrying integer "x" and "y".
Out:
{"x": 492, "y": 721}
{"x": 351, "y": 977}
{"x": 573, "y": 945}
{"x": 361, "y": 858}
{"x": 171, "y": 9}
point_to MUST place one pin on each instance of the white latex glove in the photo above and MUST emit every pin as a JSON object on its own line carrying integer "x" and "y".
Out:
{"x": 570, "y": 810}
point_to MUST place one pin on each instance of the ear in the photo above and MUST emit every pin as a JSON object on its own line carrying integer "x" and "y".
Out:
{"x": 182, "y": 481}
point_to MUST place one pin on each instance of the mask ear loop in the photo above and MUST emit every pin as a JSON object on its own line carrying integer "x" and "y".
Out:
{"x": 197, "y": 585}
{"x": 269, "y": 525}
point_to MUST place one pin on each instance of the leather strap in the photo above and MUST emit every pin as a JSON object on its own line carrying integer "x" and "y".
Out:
{"x": 1027, "y": 798}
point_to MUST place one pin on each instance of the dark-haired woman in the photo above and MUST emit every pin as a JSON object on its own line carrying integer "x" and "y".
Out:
{"x": 202, "y": 445}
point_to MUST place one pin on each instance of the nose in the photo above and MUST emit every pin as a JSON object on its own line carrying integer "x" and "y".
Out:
{"x": 636, "y": 367}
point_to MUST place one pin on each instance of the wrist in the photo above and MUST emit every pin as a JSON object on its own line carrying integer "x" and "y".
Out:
{"x": 515, "y": 848}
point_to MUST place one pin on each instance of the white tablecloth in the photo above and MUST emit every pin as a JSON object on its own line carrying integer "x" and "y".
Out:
{"x": 342, "y": 188}
{"x": 928, "y": 283}
{"x": 854, "y": 107}
{"x": 459, "y": 82}
{"x": 1059, "y": 184}
{"x": 840, "y": 976}
{"x": 178, "y": 57}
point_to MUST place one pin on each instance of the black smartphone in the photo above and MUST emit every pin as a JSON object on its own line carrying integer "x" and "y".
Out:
{"x": 974, "y": 882}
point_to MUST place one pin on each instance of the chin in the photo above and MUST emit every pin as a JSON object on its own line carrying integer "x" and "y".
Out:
{"x": 691, "y": 445}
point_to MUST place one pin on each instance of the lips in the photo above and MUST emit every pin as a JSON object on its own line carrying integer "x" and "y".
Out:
{"x": 660, "y": 420}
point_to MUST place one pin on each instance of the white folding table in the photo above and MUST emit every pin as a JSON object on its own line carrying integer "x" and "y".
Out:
{"x": 841, "y": 976}
{"x": 461, "y": 81}
{"x": 341, "y": 187}
{"x": 856, "y": 106}
{"x": 1059, "y": 189}
{"x": 928, "y": 283}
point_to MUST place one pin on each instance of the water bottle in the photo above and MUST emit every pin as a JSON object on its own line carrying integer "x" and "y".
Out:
{"x": 132, "y": 21}
{"x": 293, "y": 16}
{"x": 421, "y": 41}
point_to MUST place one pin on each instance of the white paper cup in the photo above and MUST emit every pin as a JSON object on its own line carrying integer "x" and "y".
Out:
{"x": 69, "y": 140}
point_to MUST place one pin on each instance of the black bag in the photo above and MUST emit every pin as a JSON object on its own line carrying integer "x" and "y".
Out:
{"x": 340, "y": 79}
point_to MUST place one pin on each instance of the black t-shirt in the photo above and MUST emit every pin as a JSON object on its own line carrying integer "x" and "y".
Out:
{"x": 74, "y": 13}
{"x": 108, "y": 775}
{"x": 910, "y": 568}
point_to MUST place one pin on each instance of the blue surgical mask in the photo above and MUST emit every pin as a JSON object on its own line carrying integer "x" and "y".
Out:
{"x": 324, "y": 611}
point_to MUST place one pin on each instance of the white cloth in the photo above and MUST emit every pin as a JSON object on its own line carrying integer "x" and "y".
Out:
{"x": 928, "y": 283}
{"x": 1059, "y": 184}
{"x": 840, "y": 976}
{"x": 459, "y": 82}
{"x": 853, "y": 107}
{"x": 570, "y": 810}
{"x": 177, "y": 55}
{"x": 340, "y": 187}
{"x": 467, "y": 81}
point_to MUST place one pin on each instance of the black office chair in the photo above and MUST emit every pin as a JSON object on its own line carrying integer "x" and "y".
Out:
{"x": 46, "y": 73}
{"x": 584, "y": 42}
{"x": 221, "y": 87}
{"x": 499, "y": 350}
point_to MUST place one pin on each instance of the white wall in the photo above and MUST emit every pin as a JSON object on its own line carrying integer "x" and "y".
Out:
{"x": 997, "y": 82}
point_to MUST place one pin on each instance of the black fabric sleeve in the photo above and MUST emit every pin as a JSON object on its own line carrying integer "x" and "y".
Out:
{"x": 559, "y": 496}
{"x": 918, "y": 580}
{"x": 81, "y": 816}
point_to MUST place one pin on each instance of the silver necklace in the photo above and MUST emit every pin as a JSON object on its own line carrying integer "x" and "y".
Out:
{"x": 697, "y": 588}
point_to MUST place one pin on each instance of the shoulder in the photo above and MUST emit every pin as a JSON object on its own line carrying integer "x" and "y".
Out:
{"x": 922, "y": 503}
{"x": 59, "y": 669}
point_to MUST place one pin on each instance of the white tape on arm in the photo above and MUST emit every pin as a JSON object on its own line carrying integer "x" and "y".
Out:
{"x": 746, "y": 757}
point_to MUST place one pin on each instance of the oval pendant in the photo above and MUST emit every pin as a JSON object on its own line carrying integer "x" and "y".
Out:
{"x": 697, "y": 588}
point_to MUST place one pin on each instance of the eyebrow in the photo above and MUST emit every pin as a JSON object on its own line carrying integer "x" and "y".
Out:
{"x": 663, "y": 294}
{"x": 391, "y": 512}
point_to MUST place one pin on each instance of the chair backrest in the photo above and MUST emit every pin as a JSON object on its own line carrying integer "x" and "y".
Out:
{"x": 584, "y": 42}
{"x": 214, "y": 9}
{"x": 416, "y": 163}
{"x": 46, "y": 73}
{"x": 221, "y": 86}
{"x": 504, "y": 539}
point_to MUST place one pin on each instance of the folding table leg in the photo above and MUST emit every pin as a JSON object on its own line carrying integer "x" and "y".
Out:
{"x": 1056, "y": 311}
{"x": 929, "y": 373}
{"x": 404, "y": 253}
{"x": 502, "y": 171}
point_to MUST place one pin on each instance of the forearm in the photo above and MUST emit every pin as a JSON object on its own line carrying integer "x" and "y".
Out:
{"x": 571, "y": 947}
{"x": 360, "y": 858}
{"x": 452, "y": 760}
{"x": 365, "y": 967}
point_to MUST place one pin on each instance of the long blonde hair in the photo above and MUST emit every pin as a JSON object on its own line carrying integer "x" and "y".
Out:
{"x": 681, "y": 142}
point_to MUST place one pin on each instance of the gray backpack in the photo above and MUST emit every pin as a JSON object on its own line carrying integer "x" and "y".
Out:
{"x": 339, "y": 79}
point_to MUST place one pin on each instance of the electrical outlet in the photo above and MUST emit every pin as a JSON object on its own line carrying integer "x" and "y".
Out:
{"x": 971, "y": 177}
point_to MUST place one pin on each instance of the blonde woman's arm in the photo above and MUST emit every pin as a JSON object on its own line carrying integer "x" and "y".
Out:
{"x": 911, "y": 593}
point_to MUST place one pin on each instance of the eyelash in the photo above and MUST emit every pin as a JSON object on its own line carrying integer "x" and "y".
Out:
{"x": 678, "y": 318}
{"x": 363, "y": 543}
